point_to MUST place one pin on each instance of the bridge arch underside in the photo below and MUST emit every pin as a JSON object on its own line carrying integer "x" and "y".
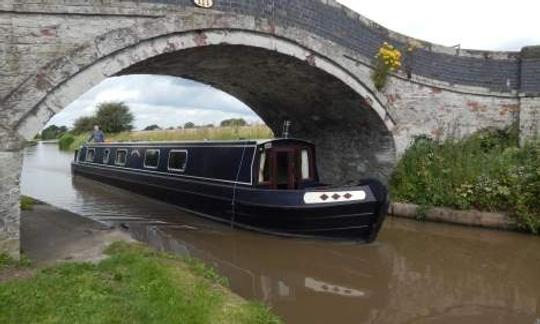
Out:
{"x": 352, "y": 139}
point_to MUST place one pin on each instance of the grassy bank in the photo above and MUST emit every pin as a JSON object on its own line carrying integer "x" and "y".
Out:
{"x": 69, "y": 142}
{"x": 134, "y": 285}
{"x": 212, "y": 133}
{"x": 486, "y": 171}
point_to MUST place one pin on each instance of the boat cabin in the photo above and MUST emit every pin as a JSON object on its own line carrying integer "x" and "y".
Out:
{"x": 280, "y": 164}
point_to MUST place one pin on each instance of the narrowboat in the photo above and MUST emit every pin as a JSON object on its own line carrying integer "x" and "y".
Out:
{"x": 270, "y": 186}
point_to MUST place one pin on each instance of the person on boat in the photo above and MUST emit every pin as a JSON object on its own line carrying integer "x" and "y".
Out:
{"x": 97, "y": 135}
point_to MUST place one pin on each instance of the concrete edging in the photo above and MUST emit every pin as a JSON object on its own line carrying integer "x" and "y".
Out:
{"x": 453, "y": 216}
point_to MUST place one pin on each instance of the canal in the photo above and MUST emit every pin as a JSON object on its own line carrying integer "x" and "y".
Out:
{"x": 414, "y": 273}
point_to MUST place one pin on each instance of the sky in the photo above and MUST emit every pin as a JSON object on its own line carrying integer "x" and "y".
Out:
{"x": 473, "y": 24}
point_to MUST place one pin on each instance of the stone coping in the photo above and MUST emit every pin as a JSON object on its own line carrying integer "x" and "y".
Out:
{"x": 452, "y": 216}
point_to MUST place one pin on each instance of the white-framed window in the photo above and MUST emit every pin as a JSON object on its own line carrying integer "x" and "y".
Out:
{"x": 264, "y": 168}
{"x": 90, "y": 155}
{"x": 177, "y": 160}
{"x": 106, "y": 156}
{"x": 121, "y": 157}
{"x": 304, "y": 163}
{"x": 151, "y": 159}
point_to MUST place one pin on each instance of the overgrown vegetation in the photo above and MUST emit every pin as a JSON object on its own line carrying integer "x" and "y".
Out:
{"x": 70, "y": 142}
{"x": 66, "y": 141}
{"x": 27, "y": 203}
{"x": 486, "y": 171}
{"x": 134, "y": 285}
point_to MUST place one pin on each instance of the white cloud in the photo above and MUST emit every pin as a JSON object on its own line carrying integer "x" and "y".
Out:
{"x": 162, "y": 100}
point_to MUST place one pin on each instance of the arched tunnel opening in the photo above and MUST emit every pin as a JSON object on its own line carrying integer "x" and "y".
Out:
{"x": 351, "y": 138}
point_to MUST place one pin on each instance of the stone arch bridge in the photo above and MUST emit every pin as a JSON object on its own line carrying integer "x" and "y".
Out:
{"x": 308, "y": 61}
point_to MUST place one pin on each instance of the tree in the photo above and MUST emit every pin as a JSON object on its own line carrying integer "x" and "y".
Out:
{"x": 233, "y": 122}
{"x": 84, "y": 124}
{"x": 152, "y": 128}
{"x": 189, "y": 125}
{"x": 114, "y": 117}
{"x": 53, "y": 132}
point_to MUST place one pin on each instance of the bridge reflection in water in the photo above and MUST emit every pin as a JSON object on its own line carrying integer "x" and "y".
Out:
{"x": 422, "y": 273}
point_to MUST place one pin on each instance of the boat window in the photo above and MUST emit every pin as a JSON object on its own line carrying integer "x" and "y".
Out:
{"x": 121, "y": 156}
{"x": 90, "y": 155}
{"x": 151, "y": 159}
{"x": 264, "y": 168}
{"x": 106, "y": 155}
{"x": 177, "y": 160}
{"x": 305, "y": 164}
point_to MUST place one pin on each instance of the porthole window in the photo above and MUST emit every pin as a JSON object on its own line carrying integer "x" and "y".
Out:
{"x": 177, "y": 160}
{"x": 121, "y": 156}
{"x": 90, "y": 155}
{"x": 106, "y": 156}
{"x": 151, "y": 159}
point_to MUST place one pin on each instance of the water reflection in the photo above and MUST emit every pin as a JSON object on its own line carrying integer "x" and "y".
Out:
{"x": 414, "y": 273}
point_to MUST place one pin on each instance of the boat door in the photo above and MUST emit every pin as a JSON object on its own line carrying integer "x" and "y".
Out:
{"x": 284, "y": 168}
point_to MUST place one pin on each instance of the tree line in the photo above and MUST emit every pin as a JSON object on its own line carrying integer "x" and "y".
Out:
{"x": 116, "y": 117}
{"x": 233, "y": 122}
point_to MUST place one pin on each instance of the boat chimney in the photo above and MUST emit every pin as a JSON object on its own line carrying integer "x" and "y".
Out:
{"x": 286, "y": 126}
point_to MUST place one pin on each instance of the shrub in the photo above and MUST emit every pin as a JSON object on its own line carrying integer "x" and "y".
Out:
{"x": 66, "y": 141}
{"x": 27, "y": 203}
{"x": 486, "y": 171}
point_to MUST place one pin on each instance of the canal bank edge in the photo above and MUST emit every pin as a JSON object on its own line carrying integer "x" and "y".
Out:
{"x": 55, "y": 240}
{"x": 475, "y": 218}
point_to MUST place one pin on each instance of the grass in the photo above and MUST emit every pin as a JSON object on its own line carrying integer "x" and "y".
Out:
{"x": 134, "y": 285}
{"x": 8, "y": 262}
{"x": 69, "y": 142}
{"x": 27, "y": 203}
{"x": 486, "y": 171}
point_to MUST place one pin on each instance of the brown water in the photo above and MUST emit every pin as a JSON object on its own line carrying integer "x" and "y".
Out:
{"x": 414, "y": 273}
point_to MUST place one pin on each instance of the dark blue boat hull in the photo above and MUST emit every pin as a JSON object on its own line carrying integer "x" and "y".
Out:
{"x": 277, "y": 212}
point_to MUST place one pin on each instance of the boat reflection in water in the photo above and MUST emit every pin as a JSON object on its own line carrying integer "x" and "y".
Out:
{"x": 287, "y": 274}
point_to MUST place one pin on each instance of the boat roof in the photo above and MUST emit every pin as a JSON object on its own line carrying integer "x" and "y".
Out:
{"x": 209, "y": 142}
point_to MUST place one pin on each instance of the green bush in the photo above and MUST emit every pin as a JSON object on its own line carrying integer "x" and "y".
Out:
{"x": 27, "y": 203}
{"x": 486, "y": 171}
{"x": 65, "y": 142}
